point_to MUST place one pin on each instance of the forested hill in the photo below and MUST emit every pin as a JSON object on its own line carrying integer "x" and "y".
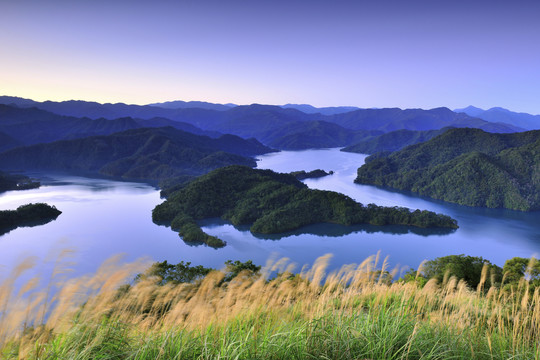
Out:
{"x": 465, "y": 166}
{"x": 393, "y": 141}
{"x": 148, "y": 154}
{"x": 7, "y": 142}
{"x": 273, "y": 203}
{"x": 314, "y": 134}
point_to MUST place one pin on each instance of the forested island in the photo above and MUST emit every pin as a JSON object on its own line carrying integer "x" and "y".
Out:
{"x": 27, "y": 215}
{"x": 465, "y": 166}
{"x": 273, "y": 203}
{"x": 16, "y": 182}
{"x": 313, "y": 174}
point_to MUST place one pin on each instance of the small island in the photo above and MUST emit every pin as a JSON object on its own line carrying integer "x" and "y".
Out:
{"x": 27, "y": 215}
{"x": 16, "y": 182}
{"x": 273, "y": 203}
{"x": 314, "y": 174}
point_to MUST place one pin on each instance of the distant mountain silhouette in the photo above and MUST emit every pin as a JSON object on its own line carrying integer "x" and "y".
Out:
{"x": 411, "y": 119}
{"x": 270, "y": 123}
{"x": 308, "y": 109}
{"x": 179, "y": 104}
{"x": 498, "y": 114}
{"x": 144, "y": 154}
{"x": 27, "y": 126}
{"x": 470, "y": 110}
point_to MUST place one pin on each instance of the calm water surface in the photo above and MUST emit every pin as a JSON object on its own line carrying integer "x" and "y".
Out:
{"x": 102, "y": 218}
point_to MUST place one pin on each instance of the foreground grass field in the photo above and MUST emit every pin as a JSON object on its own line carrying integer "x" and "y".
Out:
{"x": 351, "y": 314}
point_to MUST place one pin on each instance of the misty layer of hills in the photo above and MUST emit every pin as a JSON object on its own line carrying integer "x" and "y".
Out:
{"x": 498, "y": 114}
{"x": 30, "y": 122}
{"x": 186, "y": 139}
{"x": 393, "y": 141}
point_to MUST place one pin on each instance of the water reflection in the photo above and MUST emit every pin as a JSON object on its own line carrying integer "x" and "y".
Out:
{"x": 8, "y": 229}
{"x": 333, "y": 230}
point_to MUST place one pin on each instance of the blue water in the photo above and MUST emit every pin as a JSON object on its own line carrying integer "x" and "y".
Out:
{"x": 102, "y": 218}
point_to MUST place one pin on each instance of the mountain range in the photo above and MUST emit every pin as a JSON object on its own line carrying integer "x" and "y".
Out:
{"x": 498, "y": 114}
{"x": 309, "y": 109}
{"x": 28, "y": 126}
{"x": 275, "y": 126}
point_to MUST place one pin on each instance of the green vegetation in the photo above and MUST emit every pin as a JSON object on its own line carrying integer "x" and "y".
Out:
{"x": 163, "y": 273}
{"x": 313, "y": 174}
{"x": 27, "y": 215}
{"x": 273, "y": 203}
{"x": 393, "y": 141}
{"x": 144, "y": 154}
{"x": 166, "y": 273}
{"x": 16, "y": 182}
{"x": 519, "y": 268}
{"x": 471, "y": 269}
{"x": 351, "y": 314}
{"x": 465, "y": 166}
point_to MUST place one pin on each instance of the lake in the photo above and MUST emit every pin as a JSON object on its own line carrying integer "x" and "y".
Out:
{"x": 102, "y": 218}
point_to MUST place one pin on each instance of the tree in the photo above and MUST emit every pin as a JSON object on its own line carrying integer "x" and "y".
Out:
{"x": 467, "y": 268}
{"x": 234, "y": 268}
{"x": 179, "y": 273}
{"x": 518, "y": 268}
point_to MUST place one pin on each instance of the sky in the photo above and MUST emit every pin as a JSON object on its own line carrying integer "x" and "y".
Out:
{"x": 378, "y": 53}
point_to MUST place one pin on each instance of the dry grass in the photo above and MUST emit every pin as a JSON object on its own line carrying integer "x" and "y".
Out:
{"x": 348, "y": 314}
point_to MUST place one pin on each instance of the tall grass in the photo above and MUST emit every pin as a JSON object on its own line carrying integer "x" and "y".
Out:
{"x": 353, "y": 313}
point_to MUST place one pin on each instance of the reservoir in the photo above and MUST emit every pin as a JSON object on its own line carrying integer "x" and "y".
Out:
{"x": 102, "y": 218}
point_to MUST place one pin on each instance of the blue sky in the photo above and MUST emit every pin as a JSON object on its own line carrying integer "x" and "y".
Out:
{"x": 383, "y": 53}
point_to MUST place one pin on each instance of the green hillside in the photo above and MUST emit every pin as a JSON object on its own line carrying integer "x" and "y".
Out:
{"x": 465, "y": 166}
{"x": 147, "y": 154}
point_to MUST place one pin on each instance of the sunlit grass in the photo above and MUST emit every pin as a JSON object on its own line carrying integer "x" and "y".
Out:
{"x": 349, "y": 314}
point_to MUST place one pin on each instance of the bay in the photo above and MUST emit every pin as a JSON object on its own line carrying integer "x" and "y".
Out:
{"x": 102, "y": 218}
